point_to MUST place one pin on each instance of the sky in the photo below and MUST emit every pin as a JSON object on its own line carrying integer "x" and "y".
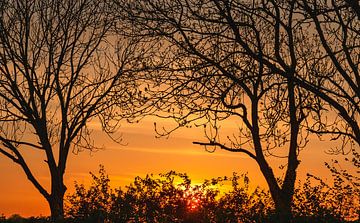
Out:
{"x": 143, "y": 153}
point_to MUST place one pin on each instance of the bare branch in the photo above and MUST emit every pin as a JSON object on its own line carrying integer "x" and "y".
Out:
{"x": 237, "y": 150}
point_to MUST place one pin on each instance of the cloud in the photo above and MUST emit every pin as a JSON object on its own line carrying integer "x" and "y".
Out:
{"x": 183, "y": 152}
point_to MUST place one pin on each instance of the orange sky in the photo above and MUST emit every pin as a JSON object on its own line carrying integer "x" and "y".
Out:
{"x": 143, "y": 154}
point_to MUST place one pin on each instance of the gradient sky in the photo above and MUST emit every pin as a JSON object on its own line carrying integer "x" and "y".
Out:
{"x": 144, "y": 153}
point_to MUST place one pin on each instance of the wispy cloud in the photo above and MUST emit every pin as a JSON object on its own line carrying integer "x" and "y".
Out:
{"x": 183, "y": 152}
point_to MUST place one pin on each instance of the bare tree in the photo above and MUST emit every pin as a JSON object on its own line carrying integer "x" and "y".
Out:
{"x": 280, "y": 67}
{"x": 224, "y": 60}
{"x": 55, "y": 77}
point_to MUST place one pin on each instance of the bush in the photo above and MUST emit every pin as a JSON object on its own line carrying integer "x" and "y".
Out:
{"x": 92, "y": 205}
{"x": 338, "y": 202}
{"x": 15, "y": 218}
{"x": 171, "y": 197}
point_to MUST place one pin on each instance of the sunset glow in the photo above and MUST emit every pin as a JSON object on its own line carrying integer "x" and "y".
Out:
{"x": 179, "y": 111}
{"x": 143, "y": 154}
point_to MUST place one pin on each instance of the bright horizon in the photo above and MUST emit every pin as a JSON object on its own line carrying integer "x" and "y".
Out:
{"x": 145, "y": 154}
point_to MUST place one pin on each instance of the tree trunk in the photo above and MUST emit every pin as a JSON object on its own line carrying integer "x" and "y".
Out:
{"x": 282, "y": 207}
{"x": 56, "y": 204}
{"x": 283, "y": 202}
{"x": 282, "y": 197}
{"x": 56, "y": 200}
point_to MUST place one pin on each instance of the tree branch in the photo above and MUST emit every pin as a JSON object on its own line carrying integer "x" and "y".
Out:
{"x": 239, "y": 150}
{"x": 19, "y": 159}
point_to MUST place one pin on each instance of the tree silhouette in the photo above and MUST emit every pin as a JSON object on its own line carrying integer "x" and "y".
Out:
{"x": 334, "y": 64}
{"x": 258, "y": 62}
{"x": 55, "y": 77}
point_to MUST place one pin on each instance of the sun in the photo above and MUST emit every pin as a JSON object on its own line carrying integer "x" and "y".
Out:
{"x": 193, "y": 199}
{"x": 193, "y": 204}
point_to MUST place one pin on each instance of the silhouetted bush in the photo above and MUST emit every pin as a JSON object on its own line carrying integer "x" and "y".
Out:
{"x": 330, "y": 203}
{"x": 93, "y": 203}
{"x": 15, "y": 218}
{"x": 171, "y": 197}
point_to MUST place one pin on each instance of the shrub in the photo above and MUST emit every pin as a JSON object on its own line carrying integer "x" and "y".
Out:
{"x": 93, "y": 204}
{"x": 171, "y": 197}
{"x": 338, "y": 202}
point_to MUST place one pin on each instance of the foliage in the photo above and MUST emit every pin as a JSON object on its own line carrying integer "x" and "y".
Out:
{"x": 242, "y": 205}
{"x": 171, "y": 197}
{"x": 15, "y": 218}
{"x": 91, "y": 203}
{"x": 331, "y": 203}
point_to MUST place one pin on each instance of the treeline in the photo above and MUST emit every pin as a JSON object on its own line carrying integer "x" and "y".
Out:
{"x": 171, "y": 197}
